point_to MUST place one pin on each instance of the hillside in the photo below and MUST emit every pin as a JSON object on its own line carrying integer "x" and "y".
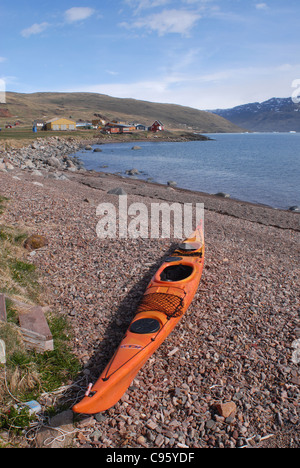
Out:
{"x": 274, "y": 115}
{"x": 28, "y": 107}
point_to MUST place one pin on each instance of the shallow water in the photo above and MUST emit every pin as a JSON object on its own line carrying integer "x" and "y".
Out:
{"x": 259, "y": 168}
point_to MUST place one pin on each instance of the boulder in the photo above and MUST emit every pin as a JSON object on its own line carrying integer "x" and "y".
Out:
{"x": 54, "y": 162}
{"x": 223, "y": 195}
{"x": 37, "y": 173}
{"x": 59, "y": 433}
{"x": 226, "y": 409}
{"x": 9, "y": 166}
{"x": 117, "y": 191}
{"x": 2, "y": 167}
{"x": 35, "y": 242}
{"x": 29, "y": 164}
{"x": 132, "y": 172}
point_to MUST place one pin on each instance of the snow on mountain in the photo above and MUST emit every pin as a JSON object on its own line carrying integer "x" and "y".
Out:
{"x": 274, "y": 115}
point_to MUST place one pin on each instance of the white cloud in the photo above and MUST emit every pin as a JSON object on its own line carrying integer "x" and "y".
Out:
{"x": 35, "y": 29}
{"x": 261, "y": 6}
{"x": 168, "y": 21}
{"x": 111, "y": 72}
{"x": 221, "y": 89}
{"x": 71, "y": 16}
{"x": 2, "y": 59}
{"x": 143, "y": 4}
{"x": 78, "y": 14}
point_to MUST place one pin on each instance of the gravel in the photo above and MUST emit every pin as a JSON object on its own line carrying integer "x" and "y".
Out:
{"x": 227, "y": 376}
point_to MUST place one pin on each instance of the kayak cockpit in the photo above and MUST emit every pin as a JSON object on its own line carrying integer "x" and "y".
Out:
{"x": 176, "y": 273}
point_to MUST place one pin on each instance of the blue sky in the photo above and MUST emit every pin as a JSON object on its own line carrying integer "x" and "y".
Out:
{"x": 199, "y": 53}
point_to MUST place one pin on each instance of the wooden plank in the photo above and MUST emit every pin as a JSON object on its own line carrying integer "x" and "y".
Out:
{"x": 36, "y": 342}
{"x": 35, "y": 330}
{"x": 3, "y": 315}
{"x": 35, "y": 321}
{"x": 2, "y": 352}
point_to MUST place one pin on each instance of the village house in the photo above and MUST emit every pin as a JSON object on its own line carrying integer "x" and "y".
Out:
{"x": 60, "y": 124}
{"x": 81, "y": 124}
{"x": 39, "y": 124}
{"x": 141, "y": 127}
{"x": 98, "y": 122}
{"x": 112, "y": 127}
{"x": 157, "y": 126}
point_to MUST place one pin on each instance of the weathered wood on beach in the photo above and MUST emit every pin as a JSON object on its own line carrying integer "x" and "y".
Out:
{"x": 35, "y": 330}
{"x": 3, "y": 315}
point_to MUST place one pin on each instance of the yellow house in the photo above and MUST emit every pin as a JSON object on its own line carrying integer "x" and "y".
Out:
{"x": 60, "y": 124}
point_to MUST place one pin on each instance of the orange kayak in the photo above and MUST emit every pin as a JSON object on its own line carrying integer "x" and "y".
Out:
{"x": 166, "y": 299}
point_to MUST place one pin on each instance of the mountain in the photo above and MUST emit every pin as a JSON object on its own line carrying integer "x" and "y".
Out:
{"x": 28, "y": 107}
{"x": 274, "y": 115}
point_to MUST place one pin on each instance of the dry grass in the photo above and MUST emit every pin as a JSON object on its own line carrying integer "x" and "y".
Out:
{"x": 17, "y": 276}
{"x": 27, "y": 373}
{"x": 84, "y": 105}
{"x": 17, "y": 280}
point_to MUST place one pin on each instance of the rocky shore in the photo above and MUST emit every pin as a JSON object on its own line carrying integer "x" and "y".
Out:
{"x": 52, "y": 153}
{"x": 43, "y": 154}
{"x": 228, "y": 376}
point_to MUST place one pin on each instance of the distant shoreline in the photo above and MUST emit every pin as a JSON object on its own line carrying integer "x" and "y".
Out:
{"x": 63, "y": 149}
{"x": 17, "y": 141}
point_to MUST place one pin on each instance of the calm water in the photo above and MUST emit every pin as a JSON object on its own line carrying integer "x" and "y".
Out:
{"x": 260, "y": 168}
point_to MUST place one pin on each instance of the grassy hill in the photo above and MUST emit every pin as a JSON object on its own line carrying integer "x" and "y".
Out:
{"x": 28, "y": 107}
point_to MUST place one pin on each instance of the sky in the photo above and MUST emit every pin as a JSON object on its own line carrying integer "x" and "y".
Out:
{"x": 205, "y": 54}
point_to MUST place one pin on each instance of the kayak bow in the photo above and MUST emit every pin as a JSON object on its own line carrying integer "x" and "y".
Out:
{"x": 166, "y": 299}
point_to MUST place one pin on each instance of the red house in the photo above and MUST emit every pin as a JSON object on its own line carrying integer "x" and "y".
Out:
{"x": 157, "y": 126}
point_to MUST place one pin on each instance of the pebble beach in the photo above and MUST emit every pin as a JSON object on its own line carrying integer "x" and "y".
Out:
{"x": 228, "y": 375}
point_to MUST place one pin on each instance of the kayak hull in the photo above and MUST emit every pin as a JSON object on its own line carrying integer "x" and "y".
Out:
{"x": 166, "y": 299}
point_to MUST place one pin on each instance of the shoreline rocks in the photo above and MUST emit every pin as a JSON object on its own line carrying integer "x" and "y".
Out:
{"x": 48, "y": 154}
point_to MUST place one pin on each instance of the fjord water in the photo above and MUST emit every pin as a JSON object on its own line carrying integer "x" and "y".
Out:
{"x": 258, "y": 168}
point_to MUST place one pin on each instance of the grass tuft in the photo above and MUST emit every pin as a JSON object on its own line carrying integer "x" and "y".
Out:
{"x": 28, "y": 374}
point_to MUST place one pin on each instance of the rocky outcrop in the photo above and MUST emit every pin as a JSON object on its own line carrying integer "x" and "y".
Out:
{"x": 48, "y": 154}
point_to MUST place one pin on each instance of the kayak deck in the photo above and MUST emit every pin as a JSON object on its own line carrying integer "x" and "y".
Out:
{"x": 166, "y": 299}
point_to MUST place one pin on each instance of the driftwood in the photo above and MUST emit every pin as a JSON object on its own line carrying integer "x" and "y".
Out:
{"x": 3, "y": 315}
{"x": 35, "y": 330}
{"x": 33, "y": 325}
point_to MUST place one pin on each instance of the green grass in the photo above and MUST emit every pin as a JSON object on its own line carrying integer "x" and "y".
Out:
{"x": 50, "y": 369}
{"x": 11, "y": 311}
{"x": 31, "y": 373}
{"x": 3, "y": 201}
{"x": 14, "y": 236}
{"x": 26, "y": 133}
{"x": 28, "y": 373}
{"x": 17, "y": 276}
